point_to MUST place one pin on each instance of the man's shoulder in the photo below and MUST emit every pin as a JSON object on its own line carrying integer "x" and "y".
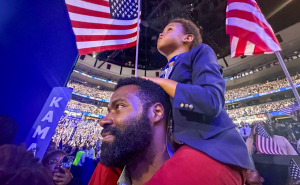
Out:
{"x": 180, "y": 164}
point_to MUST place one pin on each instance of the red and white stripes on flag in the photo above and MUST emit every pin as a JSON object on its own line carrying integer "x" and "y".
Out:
{"x": 250, "y": 33}
{"x": 265, "y": 144}
{"x": 101, "y": 25}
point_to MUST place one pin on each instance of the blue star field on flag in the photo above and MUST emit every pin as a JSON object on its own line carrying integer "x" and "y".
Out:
{"x": 261, "y": 131}
{"x": 124, "y": 9}
{"x": 294, "y": 170}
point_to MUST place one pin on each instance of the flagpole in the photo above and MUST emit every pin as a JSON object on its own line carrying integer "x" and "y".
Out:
{"x": 137, "y": 38}
{"x": 288, "y": 77}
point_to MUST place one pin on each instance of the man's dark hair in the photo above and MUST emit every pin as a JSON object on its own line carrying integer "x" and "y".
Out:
{"x": 51, "y": 154}
{"x": 9, "y": 128}
{"x": 19, "y": 166}
{"x": 149, "y": 92}
{"x": 190, "y": 28}
{"x": 84, "y": 147}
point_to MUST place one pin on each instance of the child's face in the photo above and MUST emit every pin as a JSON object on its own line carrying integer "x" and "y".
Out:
{"x": 171, "y": 38}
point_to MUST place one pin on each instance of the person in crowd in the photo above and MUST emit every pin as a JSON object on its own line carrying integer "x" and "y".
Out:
{"x": 244, "y": 130}
{"x": 284, "y": 145}
{"x": 193, "y": 80}
{"x": 90, "y": 153}
{"x": 76, "y": 169}
{"x": 60, "y": 175}
{"x": 10, "y": 127}
{"x": 254, "y": 178}
{"x": 74, "y": 151}
{"x": 296, "y": 130}
{"x": 134, "y": 139}
{"x": 83, "y": 156}
{"x": 289, "y": 135}
{"x": 20, "y": 167}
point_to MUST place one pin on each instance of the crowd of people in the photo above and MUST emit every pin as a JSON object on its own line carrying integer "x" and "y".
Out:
{"x": 283, "y": 133}
{"x": 81, "y": 140}
{"x": 90, "y": 91}
{"x": 86, "y": 107}
{"x": 259, "y": 109}
{"x": 77, "y": 132}
{"x": 259, "y": 88}
{"x": 229, "y": 94}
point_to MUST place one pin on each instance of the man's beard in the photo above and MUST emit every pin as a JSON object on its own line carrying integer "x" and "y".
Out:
{"x": 129, "y": 145}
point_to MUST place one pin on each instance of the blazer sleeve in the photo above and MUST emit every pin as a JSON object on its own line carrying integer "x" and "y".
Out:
{"x": 206, "y": 93}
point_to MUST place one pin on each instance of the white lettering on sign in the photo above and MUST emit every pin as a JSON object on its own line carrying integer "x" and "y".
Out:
{"x": 48, "y": 116}
{"x": 55, "y": 101}
{"x": 40, "y": 131}
{"x": 33, "y": 148}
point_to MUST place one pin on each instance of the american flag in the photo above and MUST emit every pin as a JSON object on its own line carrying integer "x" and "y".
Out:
{"x": 294, "y": 170}
{"x": 101, "y": 25}
{"x": 265, "y": 144}
{"x": 289, "y": 110}
{"x": 250, "y": 33}
{"x": 73, "y": 132}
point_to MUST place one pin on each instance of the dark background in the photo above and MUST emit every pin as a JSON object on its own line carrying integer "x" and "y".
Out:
{"x": 38, "y": 50}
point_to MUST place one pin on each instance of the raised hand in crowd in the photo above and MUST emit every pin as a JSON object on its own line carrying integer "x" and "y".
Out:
{"x": 63, "y": 177}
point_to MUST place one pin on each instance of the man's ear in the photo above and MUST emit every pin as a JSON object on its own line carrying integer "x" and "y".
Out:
{"x": 157, "y": 113}
{"x": 188, "y": 38}
{"x": 261, "y": 179}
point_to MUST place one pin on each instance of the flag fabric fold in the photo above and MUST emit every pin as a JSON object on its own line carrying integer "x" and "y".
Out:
{"x": 265, "y": 144}
{"x": 250, "y": 33}
{"x": 101, "y": 25}
{"x": 289, "y": 110}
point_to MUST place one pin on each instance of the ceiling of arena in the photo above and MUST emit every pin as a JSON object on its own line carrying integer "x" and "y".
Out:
{"x": 209, "y": 15}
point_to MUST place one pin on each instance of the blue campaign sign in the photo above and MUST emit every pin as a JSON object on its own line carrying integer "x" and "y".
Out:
{"x": 277, "y": 113}
{"x": 44, "y": 127}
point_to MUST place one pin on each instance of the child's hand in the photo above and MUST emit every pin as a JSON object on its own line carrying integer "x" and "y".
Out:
{"x": 155, "y": 80}
{"x": 168, "y": 85}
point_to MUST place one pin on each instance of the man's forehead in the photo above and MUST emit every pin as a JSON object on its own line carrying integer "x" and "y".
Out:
{"x": 124, "y": 92}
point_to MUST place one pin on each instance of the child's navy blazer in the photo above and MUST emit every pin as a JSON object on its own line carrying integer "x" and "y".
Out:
{"x": 199, "y": 117}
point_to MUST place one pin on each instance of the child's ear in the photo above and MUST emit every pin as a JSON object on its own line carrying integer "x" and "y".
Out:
{"x": 188, "y": 38}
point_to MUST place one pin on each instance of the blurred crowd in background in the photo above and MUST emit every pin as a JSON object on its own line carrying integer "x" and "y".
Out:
{"x": 260, "y": 88}
{"x": 90, "y": 91}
